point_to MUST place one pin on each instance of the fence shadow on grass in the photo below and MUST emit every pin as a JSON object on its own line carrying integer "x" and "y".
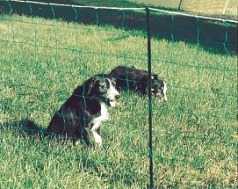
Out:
{"x": 212, "y": 36}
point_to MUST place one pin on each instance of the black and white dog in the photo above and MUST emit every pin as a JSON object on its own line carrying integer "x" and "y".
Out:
{"x": 79, "y": 118}
{"x": 130, "y": 78}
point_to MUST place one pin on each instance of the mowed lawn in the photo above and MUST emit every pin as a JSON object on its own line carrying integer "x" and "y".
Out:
{"x": 194, "y": 133}
{"x": 216, "y": 8}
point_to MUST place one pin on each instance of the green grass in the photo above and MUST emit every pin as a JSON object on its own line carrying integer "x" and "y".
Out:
{"x": 202, "y": 7}
{"x": 194, "y": 133}
{"x": 217, "y": 8}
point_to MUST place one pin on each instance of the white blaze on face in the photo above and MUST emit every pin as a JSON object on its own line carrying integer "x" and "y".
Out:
{"x": 111, "y": 94}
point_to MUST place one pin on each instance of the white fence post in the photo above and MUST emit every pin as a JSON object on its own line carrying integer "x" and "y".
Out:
{"x": 224, "y": 10}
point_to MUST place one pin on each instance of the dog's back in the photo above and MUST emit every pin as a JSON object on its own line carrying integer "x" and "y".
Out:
{"x": 70, "y": 119}
{"x": 130, "y": 73}
{"x": 129, "y": 78}
{"x": 132, "y": 79}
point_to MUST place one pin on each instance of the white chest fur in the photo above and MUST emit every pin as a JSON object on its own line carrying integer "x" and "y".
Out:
{"x": 104, "y": 112}
{"x": 103, "y": 117}
{"x": 97, "y": 121}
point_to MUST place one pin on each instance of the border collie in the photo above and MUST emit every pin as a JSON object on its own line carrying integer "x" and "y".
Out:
{"x": 130, "y": 78}
{"x": 79, "y": 118}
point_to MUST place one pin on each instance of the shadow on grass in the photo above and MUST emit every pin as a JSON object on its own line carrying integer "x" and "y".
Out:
{"x": 212, "y": 36}
{"x": 24, "y": 127}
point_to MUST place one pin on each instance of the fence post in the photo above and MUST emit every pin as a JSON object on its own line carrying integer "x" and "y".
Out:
{"x": 149, "y": 99}
{"x": 224, "y": 10}
{"x": 180, "y": 4}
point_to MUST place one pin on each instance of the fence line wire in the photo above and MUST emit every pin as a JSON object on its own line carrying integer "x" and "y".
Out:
{"x": 120, "y": 8}
{"x": 56, "y": 46}
{"x": 123, "y": 56}
{"x": 77, "y": 6}
{"x": 194, "y": 16}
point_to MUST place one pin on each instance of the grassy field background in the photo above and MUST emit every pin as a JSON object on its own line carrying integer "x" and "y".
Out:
{"x": 194, "y": 133}
{"x": 218, "y": 8}
{"x": 163, "y": 26}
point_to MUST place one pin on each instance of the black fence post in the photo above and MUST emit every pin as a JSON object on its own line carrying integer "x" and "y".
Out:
{"x": 149, "y": 98}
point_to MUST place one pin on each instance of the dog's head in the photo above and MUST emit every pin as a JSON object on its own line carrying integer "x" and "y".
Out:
{"x": 102, "y": 87}
{"x": 158, "y": 87}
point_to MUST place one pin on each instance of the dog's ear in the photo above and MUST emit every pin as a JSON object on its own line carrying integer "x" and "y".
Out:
{"x": 113, "y": 81}
{"x": 88, "y": 85}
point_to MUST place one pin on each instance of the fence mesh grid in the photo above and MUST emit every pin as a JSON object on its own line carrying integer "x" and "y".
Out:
{"x": 47, "y": 50}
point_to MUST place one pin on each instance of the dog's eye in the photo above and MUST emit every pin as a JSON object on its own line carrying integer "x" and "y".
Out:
{"x": 113, "y": 82}
{"x": 103, "y": 85}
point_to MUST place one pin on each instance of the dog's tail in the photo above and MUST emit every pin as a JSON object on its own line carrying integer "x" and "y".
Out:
{"x": 30, "y": 128}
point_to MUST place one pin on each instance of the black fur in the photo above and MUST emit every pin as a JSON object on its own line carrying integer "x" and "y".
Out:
{"x": 132, "y": 79}
{"x": 75, "y": 119}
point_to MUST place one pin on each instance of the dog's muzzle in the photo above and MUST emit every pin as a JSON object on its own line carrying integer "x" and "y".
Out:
{"x": 165, "y": 98}
{"x": 113, "y": 95}
{"x": 162, "y": 95}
